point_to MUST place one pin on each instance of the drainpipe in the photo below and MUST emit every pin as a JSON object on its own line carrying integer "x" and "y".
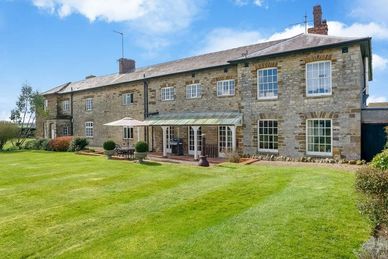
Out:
{"x": 145, "y": 108}
{"x": 71, "y": 113}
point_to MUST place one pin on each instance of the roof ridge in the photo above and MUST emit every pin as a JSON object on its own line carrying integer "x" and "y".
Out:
{"x": 284, "y": 41}
{"x": 214, "y": 52}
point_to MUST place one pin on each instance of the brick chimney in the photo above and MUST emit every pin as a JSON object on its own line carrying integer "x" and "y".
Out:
{"x": 320, "y": 26}
{"x": 126, "y": 65}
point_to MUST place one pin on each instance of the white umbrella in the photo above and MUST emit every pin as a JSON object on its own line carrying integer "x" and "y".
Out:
{"x": 128, "y": 122}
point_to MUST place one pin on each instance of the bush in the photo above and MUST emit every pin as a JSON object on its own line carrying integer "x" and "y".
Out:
{"x": 141, "y": 147}
{"x": 380, "y": 161}
{"x": 374, "y": 248}
{"x": 78, "y": 144}
{"x": 8, "y": 131}
{"x": 60, "y": 144}
{"x": 30, "y": 144}
{"x": 374, "y": 184}
{"x": 109, "y": 145}
{"x": 42, "y": 144}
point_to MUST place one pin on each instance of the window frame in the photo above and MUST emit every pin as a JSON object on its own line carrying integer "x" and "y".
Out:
{"x": 130, "y": 133}
{"x": 229, "y": 88}
{"x": 258, "y": 84}
{"x": 330, "y": 79}
{"x": 172, "y": 95}
{"x": 198, "y": 93}
{"x": 89, "y": 127}
{"x": 266, "y": 150}
{"x": 125, "y": 99}
{"x": 45, "y": 105}
{"x": 66, "y": 105}
{"x": 87, "y": 108}
{"x": 322, "y": 154}
{"x": 67, "y": 131}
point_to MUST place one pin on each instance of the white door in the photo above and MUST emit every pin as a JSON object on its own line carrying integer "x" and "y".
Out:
{"x": 191, "y": 140}
{"x": 52, "y": 136}
{"x": 170, "y": 136}
{"x": 224, "y": 140}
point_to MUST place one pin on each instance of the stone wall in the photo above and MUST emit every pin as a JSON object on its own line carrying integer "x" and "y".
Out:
{"x": 293, "y": 107}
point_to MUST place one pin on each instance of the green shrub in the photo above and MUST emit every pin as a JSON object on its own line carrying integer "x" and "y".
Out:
{"x": 42, "y": 144}
{"x": 380, "y": 161}
{"x": 30, "y": 144}
{"x": 374, "y": 248}
{"x": 78, "y": 144}
{"x": 8, "y": 131}
{"x": 141, "y": 147}
{"x": 60, "y": 144}
{"x": 109, "y": 145}
{"x": 374, "y": 184}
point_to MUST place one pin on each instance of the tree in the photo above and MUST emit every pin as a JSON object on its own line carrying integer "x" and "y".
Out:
{"x": 29, "y": 104}
{"x": 8, "y": 131}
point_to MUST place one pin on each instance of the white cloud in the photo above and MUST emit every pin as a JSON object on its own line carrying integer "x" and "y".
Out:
{"x": 371, "y": 29}
{"x": 226, "y": 38}
{"x": 223, "y": 38}
{"x": 258, "y": 2}
{"x": 246, "y": 2}
{"x": 371, "y": 10}
{"x": 379, "y": 63}
{"x": 156, "y": 16}
{"x": 376, "y": 99}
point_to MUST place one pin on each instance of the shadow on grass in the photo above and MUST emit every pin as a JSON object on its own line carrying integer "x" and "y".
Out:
{"x": 150, "y": 163}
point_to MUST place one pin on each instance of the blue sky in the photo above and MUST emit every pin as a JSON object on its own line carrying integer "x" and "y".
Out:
{"x": 49, "y": 42}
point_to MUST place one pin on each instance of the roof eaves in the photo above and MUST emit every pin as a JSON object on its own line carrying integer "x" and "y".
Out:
{"x": 55, "y": 89}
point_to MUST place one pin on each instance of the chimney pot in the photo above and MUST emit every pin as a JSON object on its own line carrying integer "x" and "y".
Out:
{"x": 320, "y": 26}
{"x": 126, "y": 65}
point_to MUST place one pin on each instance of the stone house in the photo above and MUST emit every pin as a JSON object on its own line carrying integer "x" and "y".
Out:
{"x": 295, "y": 97}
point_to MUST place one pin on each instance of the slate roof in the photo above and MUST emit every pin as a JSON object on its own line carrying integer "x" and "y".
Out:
{"x": 300, "y": 42}
{"x": 215, "y": 59}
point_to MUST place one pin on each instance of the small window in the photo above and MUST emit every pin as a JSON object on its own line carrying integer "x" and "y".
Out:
{"x": 225, "y": 88}
{"x": 66, "y": 105}
{"x": 45, "y": 106}
{"x": 318, "y": 78}
{"x": 65, "y": 131}
{"x": 128, "y": 133}
{"x": 89, "y": 132}
{"x": 127, "y": 98}
{"x": 267, "y": 82}
{"x": 89, "y": 104}
{"x": 268, "y": 135}
{"x": 319, "y": 137}
{"x": 193, "y": 91}
{"x": 167, "y": 93}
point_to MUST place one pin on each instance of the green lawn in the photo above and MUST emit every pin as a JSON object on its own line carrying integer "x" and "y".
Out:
{"x": 67, "y": 205}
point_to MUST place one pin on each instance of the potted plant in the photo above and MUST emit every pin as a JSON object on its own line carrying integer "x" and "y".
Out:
{"x": 109, "y": 147}
{"x": 141, "y": 149}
